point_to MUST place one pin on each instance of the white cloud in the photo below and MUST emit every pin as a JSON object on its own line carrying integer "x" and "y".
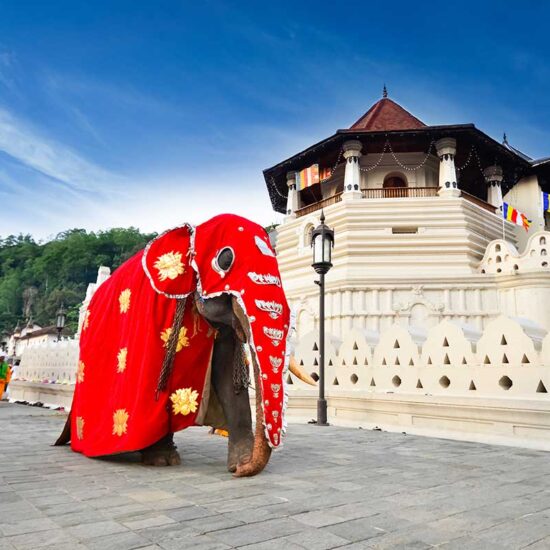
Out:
{"x": 24, "y": 144}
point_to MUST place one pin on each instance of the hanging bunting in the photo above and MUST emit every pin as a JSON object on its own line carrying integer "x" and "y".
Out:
{"x": 515, "y": 216}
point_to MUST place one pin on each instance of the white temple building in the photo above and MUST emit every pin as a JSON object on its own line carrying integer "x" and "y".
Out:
{"x": 437, "y": 309}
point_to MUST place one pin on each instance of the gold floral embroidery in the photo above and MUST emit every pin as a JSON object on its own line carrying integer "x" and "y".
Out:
{"x": 121, "y": 357}
{"x": 124, "y": 300}
{"x": 120, "y": 422}
{"x": 184, "y": 401}
{"x": 86, "y": 320}
{"x": 79, "y": 427}
{"x": 169, "y": 266}
{"x": 183, "y": 341}
{"x": 80, "y": 371}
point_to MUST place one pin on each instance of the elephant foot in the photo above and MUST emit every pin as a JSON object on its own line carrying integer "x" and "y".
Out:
{"x": 239, "y": 452}
{"x": 162, "y": 453}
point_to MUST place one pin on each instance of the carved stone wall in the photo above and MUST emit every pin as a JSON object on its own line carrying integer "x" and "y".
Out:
{"x": 452, "y": 380}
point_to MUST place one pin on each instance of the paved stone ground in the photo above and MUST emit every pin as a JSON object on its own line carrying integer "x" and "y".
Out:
{"x": 329, "y": 488}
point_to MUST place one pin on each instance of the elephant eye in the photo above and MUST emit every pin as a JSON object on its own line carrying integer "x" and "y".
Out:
{"x": 223, "y": 261}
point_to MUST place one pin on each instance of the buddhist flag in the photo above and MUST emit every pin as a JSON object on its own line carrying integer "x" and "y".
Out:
{"x": 514, "y": 216}
{"x": 325, "y": 174}
{"x": 545, "y": 202}
{"x": 307, "y": 177}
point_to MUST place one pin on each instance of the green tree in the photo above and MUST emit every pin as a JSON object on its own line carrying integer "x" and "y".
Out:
{"x": 60, "y": 270}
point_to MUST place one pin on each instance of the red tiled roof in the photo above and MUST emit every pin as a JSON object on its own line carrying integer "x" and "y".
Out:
{"x": 387, "y": 115}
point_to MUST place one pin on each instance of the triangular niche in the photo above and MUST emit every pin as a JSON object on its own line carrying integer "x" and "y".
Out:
{"x": 419, "y": 384}
{"x": 445, "y": 343}
{"x": 464, "y": 362}
{"x": 429, "y": 360}
{"x": 397, "y": 361}
{"x": 503, "y": 341}
{"x": 472, "y": 386}
{"x": 486, "y": 361}
{"x": 315, "y": 362}
{"x": 355, "y": 361}
{"x": 355, "y": 346}
{"x": 411, "y": 362}
{"x": 396, "y": 345}
{"x": 315, "y": 348}
{"x": 505, "y": 359}
{"x": 330, "y": 363}
{"x": 541, "y": 388}
{"x": 384, "y": 361}
{"x": 366, "y": 361}
{"x": 289, "y": 380}
{"x": 372, "y": 383}
{"x": 446, "y": 360}
{"x": 335, "y": 382}
{"x": 525, "y": 360}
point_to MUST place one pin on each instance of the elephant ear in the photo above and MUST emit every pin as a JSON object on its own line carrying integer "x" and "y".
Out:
{"x": 166, "y": 262}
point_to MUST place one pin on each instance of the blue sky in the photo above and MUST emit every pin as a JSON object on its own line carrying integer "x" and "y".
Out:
{"x": 151, "y": 113}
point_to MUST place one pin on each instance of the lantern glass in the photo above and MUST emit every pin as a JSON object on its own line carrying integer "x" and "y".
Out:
{"x": 318, "y": 249}
{"x": 61, "y": 317}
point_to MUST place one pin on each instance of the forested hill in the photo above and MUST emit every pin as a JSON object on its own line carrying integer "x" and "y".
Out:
{"x": 37, "y": 277}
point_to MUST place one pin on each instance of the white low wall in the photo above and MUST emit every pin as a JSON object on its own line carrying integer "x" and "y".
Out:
{"x": 47, "y": 373}
{"x": 452, "y": 381}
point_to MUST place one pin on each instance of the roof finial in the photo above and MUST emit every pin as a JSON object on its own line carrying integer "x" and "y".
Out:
{"x": 385, "y": 92}
{"x": 505, "y": 138}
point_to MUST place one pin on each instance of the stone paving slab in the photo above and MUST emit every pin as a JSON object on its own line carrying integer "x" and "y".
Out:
{"x": 328, "y": 488}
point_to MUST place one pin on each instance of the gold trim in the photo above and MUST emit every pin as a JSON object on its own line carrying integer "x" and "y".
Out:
{"x": 121, "y": 359}
{"x": 184, "y": 401}
{"x": 183, "y": 341}
{"x": 169, "y": 266}
{"x": 120, "y": 422}
{"x": 124, "y": 300}
{"x": 80, "y": 372}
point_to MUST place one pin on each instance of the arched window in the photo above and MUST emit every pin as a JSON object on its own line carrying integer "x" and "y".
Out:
{"x": 394, "y": 185}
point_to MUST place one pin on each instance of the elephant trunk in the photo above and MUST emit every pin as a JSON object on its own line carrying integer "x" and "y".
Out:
{"x": 261, "y": 451}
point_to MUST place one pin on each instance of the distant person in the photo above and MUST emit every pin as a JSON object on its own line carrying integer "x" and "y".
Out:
{"x": 5, "y": 375}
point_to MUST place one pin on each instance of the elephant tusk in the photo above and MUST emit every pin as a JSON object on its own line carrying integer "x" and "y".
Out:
{"x": 299, "y": 372}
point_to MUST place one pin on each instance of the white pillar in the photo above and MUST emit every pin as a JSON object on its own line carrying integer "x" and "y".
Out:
{"x": 446, "y": 150}
{"x": 352, "y": 177}
{"x": 292, "y": 199}
{"x": 493, "y": 179}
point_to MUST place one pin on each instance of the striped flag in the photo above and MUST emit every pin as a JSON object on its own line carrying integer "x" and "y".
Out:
{"x": 515, "y": 216}
{"x": 325, "y": 174}
{"x": 545, "y": 202}
{"x": 307, "y": 177}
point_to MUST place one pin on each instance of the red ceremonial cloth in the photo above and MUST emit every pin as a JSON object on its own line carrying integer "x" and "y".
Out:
{"x": 122, "y": 344}
{"x": 121, "y": 353}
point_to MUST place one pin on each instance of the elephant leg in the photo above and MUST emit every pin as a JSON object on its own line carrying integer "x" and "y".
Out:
{"x": 235, "y": 402}
{"x": 162, "y": 453}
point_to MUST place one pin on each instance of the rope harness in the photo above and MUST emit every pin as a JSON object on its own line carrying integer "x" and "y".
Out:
{"x": 241, "y": 372}
{"x": 171, "y": 347}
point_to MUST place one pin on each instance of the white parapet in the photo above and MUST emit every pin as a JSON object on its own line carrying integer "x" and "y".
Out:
{"x": 454, "y": 382}
{"x": 47, "y": 373}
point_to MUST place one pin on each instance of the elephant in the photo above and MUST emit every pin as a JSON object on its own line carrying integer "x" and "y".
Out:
{"x": 163, "y": 346}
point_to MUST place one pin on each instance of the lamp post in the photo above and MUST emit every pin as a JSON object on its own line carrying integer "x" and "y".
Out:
{"x": 60, "y": 321}
{"x": 322, "y": 241}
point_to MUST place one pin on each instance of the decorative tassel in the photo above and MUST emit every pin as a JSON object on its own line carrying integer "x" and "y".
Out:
{"x": 171, "y": 347}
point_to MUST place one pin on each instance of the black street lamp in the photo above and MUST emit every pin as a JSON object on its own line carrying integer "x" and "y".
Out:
{"x": 60, "y": 321}
{"x": 322, "y": 241}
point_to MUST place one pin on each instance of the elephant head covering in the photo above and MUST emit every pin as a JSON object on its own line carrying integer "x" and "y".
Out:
{"x": 145, "y": 350}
